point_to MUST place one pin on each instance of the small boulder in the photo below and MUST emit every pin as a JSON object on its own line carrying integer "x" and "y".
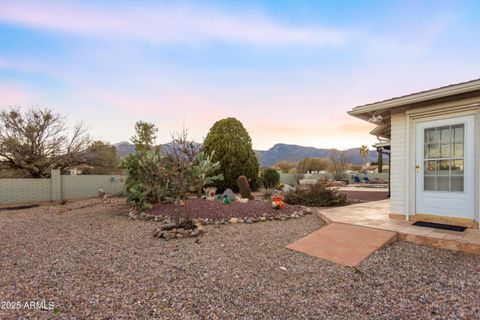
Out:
{"x": 229, "y": 193}
{"x": 234, "y": 220}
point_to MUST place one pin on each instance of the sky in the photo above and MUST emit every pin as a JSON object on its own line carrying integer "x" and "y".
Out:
{"x": 288, "y": 70}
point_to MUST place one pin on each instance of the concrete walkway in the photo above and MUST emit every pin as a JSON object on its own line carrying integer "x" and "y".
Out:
{"x": 375, "y": 215}
{"x": 344, "y": 244}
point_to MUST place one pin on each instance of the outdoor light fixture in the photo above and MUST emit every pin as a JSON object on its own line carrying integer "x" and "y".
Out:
{"x": 375, "y": 119}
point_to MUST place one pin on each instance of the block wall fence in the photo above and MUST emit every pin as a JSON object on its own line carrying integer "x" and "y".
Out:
{"x": 59, "y": 187}
{"x": 290, "y": 178}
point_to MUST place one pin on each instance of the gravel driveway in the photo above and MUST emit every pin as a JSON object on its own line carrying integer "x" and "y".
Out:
{"x": 91, "y": 262}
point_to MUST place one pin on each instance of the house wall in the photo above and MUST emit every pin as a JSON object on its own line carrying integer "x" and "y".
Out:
{"x": 403, "y": 142}
{"x": 58, "y": 187}
{"x": 398, "y": 162}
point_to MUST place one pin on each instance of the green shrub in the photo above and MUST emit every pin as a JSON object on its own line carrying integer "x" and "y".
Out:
{"x": 315, "y": 195}
{"x": 233, "y": 149}
{"x": 270, "y": 178}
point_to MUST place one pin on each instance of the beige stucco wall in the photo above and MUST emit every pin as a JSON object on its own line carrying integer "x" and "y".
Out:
{"x": 58, "y": 188}
{"x": 76, "y": 187}
{"x": 25, "y": 190}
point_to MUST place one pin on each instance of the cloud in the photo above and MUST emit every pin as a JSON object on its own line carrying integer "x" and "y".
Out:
{"x": 164, "y": 24}
{"x": 11, "y": 96}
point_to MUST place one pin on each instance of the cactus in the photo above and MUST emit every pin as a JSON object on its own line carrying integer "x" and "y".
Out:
{"x": 244, "y": 188}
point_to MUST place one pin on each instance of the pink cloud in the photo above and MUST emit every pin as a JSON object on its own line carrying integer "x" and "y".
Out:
{"x": 164, "y": 24}
{"x": 11, "y": 96}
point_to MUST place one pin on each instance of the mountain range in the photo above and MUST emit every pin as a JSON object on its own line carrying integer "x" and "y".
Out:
{"x": 278, "y": 152}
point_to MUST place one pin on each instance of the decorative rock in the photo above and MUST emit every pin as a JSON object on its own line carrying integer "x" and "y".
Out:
{"x": 249, "y": 220}
{"x": 194, "y": 233}
{"x": 233, "y": 220}
{"x": 229, "y": 193}
{"x": 210, "y": 193}
{"x": 263, "y": 219}
{"x": 168, "y": 235}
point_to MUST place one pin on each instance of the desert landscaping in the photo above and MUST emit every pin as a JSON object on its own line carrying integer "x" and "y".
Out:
{"x": 92, "y": 261}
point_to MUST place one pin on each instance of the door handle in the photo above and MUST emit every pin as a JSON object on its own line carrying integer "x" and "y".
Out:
{"x": 417, "y": 168}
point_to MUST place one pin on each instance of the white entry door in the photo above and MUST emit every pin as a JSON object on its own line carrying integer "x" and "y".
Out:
{"x": 445, "y": 167}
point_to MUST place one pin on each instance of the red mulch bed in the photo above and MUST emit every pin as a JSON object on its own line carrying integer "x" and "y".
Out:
{"x": 365, "y": 195}
{"x": 216, "y": 210}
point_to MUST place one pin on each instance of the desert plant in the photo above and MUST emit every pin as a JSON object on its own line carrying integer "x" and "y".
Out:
{"x": 145, "y": 136}
{"x": 233, "y": 149}
{"x": 315, "y": 195}
{"x": 202, "y": 173}
{"x": 339, "y": 163}
{"x": 380, "y": 160}
{"x": 363, "y": 152}
{"x": 270, "y": 178}
{"x": 145, "y": 183}
{"x": 267, "y": 193}
{"x": 244, "y": 187}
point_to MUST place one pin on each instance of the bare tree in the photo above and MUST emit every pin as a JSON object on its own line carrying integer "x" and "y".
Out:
{"x": 339, "y": 163}
{"x": 285, "y": 166}
{"x": 180, "y": 157}
{"x": 38, "y": 140}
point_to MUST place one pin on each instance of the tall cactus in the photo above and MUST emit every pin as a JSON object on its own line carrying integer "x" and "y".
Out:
{"x": 244, "y": 187}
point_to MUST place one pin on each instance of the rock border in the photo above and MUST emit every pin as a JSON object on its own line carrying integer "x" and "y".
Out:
{"x": 168, "y": 231}
{"x": 134, "y": 215}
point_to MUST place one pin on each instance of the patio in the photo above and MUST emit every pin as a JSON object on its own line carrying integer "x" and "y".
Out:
{"x": 375, "y": 214}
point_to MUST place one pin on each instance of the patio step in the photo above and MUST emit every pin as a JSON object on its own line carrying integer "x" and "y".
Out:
{"x": 375, "y": 215}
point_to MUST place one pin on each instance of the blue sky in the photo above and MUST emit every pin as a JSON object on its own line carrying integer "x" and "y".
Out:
{"x": 289, "y": 70}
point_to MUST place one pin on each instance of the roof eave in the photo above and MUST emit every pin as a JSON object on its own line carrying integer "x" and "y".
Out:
{"x": 415, "y": 98}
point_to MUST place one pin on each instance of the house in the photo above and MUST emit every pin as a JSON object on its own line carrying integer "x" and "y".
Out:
{"x": 434, "y": 138}
{"x": 373, "y": 168}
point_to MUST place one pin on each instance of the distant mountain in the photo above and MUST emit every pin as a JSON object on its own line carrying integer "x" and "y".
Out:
{"x": 124, "y": 148}
{"x": 295, "y": 153}
{"x": 278, "y": 152}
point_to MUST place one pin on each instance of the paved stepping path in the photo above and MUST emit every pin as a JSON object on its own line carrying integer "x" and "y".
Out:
{"x": 344, "y": 244}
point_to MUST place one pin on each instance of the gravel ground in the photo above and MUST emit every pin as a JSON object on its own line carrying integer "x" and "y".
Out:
{"x": 201, "y": 208}
{"x": 91, "y": 262}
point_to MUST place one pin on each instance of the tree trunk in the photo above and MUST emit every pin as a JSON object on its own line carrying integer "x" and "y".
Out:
{"x": 177, "y": 212}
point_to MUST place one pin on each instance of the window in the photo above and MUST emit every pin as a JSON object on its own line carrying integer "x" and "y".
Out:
{"x": 444, "y": 158}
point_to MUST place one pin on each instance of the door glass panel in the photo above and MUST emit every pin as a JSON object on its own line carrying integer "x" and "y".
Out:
{"x": 442, "y": 183}
{"x": 456, "y": 184}
{"x": 432, "y": 151}
{"x": 445, "y": 150}
{"x": 429, "y": 183}
{"x": 430, "y": 168}
{"x": 445, "y": 134}
{"x": 443, "y": 168}
{"x": 444, "y": 158}
{"x": 457, "y": 168}
{"x": 458, "y": 132}
{"x": 432, "y": 135}
{"x": 458, "y": 150}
